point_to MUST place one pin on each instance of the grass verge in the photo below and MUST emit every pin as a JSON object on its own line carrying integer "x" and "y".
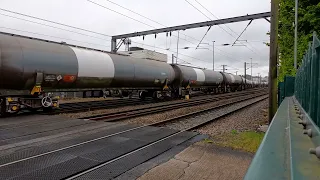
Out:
{"x": 246, "y": 141}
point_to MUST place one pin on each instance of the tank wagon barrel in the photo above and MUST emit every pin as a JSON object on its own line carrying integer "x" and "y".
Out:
{"x": 31, "y": 68}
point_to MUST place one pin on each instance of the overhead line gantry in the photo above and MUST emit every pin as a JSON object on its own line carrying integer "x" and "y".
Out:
{"x": 116, "y": 45}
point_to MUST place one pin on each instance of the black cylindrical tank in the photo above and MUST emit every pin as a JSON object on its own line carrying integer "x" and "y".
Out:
{"x": 22, "y": 58}
{"x": 134, "y": 72}
{"x": 196, "y": 77}
{"x": 237, "y": 79}
{"x": 213, "y": 78}
{"x": 68, "y": 67}
{"x": 228, "y": 78}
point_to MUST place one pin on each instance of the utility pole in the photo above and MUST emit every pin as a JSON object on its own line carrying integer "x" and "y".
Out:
{"x": 273, "y": 61}
{"x": 295, "y": 34}
{"x": 213, "y": 55}
{"x": 223, "y": 67}
{"x": 251, "y": 68}
{"x": 172, "y": 59}
{"x": 245, "y": 74}
{"x": 177, "y": 48}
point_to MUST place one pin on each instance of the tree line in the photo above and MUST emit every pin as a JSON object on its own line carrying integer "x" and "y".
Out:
{"x": 308, "y": 22}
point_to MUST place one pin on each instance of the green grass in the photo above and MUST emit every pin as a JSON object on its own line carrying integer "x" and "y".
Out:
{"x": 246, "y": 141}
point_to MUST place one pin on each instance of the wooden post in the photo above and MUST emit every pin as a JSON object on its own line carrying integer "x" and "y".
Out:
{"x": 273, "y": 61}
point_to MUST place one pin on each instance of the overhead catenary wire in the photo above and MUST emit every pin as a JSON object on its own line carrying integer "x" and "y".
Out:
{"x": 173, "y": 52}
{"x": 145, "y": 17}
{"x": 220, "y": 26}
{"x": 206, "y": 15}
{"x": 94, "y": 43}
{"x": 216, "y": 18}
{"x": 71, "y": 31}
{"x": 225, "y": 25}
{"x": 128, "y": 16}
{"x": 50, "y": 21}
{"x": 54, "y": 27}
{"x": 51, "y": 36}
{"x": 242, "y": 32}
{"x": 61, "y": 24}
{"x": 204, "y": 36}
{"x": 135, "y": 19}
{"x": 197, "y": 9}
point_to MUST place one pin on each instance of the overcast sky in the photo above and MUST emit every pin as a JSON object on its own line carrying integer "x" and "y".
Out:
{"x": 87, "y": 15}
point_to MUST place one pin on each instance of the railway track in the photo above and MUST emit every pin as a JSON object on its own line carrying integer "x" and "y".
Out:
{"x": 92, "y": 172}
{"x": 109, "y": 104}
{"x": 199, "y": 118}
{"x": 95, "y": 105}
{"x": 160, "y": 108}
{"x": 104, "y": 166}
{"x": 100, "y": 169}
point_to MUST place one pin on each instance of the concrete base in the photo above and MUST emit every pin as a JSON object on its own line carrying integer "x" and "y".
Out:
{"x": 202, "y": 161}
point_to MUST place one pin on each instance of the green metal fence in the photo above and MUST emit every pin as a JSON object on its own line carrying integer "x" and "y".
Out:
{"x": 285, "y": 88}
{"x": 291, "y": 146}
{"x": 307, "y": 81}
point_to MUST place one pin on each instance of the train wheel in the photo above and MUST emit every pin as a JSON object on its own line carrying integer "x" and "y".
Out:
{"x": 142, "y": 95}
{"x": 2, "y": 107}
{"x": 130, "y": 95}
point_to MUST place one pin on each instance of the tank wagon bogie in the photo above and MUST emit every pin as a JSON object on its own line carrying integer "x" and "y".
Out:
{"x": 31, "y": 68}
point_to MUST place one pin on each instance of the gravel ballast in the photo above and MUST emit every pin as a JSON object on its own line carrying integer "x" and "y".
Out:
{"x": 189, "y": 122}
{"x": 115, "y": 110}
{"x": 144, "y": 120}
{"x": 247, "y": 119}
{"x": 75, "y": 100}
{"x": 125, "y": 108}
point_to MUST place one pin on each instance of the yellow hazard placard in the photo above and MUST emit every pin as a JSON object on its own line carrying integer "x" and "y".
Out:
{"x": 187, "y": 97}
{"x": 36, "y": 89}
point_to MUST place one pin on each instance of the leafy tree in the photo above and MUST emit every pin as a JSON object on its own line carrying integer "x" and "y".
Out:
{"x": 308, "y": 22}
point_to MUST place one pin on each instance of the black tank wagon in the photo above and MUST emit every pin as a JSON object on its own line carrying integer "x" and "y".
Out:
{"x": 31, "y": 68}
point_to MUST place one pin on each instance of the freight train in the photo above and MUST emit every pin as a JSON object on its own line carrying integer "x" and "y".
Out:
{"x": 30, "y": 68}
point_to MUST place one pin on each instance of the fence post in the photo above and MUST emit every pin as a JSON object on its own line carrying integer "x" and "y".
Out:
{"x": 313, "y": 105}
{"x": 316, "y": 56}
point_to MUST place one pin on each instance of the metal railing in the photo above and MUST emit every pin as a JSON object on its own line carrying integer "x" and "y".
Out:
{"x": 307, "y": 81}
{"x": 291, "y": 146}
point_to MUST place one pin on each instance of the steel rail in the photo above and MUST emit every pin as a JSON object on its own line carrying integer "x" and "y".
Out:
{"x": 156, "y": 109}
{"x": 158, "y": 141}
{"x": 75, "y": 145}
{"x": 108, "y": 104}
{"x": 205, "y": 110}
